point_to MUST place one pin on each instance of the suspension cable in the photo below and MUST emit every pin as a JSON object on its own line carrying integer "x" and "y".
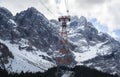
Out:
{"x": 67, "y": 7}
{"x": 47, "y": 8}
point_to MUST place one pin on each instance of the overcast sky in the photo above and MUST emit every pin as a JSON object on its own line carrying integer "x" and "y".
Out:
{"x": 105, "y": 14}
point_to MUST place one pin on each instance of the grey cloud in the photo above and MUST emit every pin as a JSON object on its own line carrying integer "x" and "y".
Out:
{"x": 22, "y": 4}
{"x": 115, "y": 12}
{"x": 57, "y": 1}
{"x": 92, "y": 1}
{"x": 44, "y": 1}
{"x": 89, "y": 3}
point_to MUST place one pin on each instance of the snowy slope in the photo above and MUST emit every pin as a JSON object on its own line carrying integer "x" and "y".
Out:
{"x": 91, "y": 52}
{"x": 26, "y": 61}
{"x": 26, "y": 37}
{"x": 94, "y": 49}
{"x": 90, "y": 43}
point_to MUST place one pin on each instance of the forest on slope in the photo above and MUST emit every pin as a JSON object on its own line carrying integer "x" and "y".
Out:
{"x": 79, "y": 71}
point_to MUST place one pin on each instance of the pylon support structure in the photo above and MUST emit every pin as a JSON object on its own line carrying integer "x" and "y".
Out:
{"x": 65, "y": 58}
{"x": 64, "y": 47}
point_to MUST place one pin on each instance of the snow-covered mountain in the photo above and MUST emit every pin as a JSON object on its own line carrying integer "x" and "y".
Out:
{"x": 31, "y": 41}
{"x": 94, "y": 49}
{"x": 26, "y": 36}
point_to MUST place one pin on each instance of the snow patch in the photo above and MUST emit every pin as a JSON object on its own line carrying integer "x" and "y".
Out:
{"x": 67, "y": 74}
{"x": 98, "y": 68}
{"x": 12, "y": 22}
{"x": 92, "y": 51}
{"x": 26, "y": 61}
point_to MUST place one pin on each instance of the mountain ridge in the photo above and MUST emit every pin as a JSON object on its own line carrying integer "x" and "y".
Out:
{"x": 31, "y": 33}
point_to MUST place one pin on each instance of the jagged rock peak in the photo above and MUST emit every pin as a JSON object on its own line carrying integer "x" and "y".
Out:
{"x": 32, "y": 9}
{"x": 31, "y": 14}
{"x": 82, "y": 18}
{"x": 5, "y": 12}
{"x": 74, "y": 18}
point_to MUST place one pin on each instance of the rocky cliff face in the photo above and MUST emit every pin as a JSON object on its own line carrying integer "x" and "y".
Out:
{"x": 94, "y": 49}
{"x": 28, "y": 31}
{"x": 5, "y": 54}
{"x": 5, "y": 23}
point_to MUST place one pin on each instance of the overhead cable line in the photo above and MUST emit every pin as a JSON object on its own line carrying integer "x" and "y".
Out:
{"x": 47, "y": 8}
{"x": 67, "y": 7}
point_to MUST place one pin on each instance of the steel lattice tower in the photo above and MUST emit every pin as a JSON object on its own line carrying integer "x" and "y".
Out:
{"x": 65, "y": 58}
